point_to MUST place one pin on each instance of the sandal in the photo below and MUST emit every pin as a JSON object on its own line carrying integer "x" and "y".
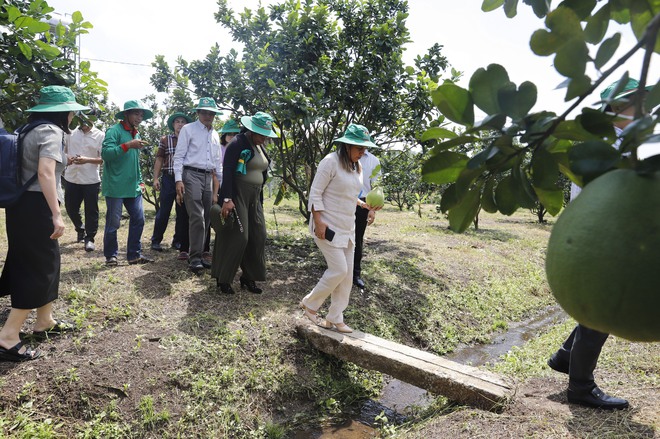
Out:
{"x": 14, "y": 354}
{"x": 341, "y": 327}
{"x": 59, "y": 328}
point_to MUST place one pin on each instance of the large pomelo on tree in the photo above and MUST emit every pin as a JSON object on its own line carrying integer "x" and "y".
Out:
{"x": 603, "y": 258}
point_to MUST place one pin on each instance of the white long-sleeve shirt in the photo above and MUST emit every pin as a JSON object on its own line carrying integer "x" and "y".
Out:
{"x": 334, "y": 194}
{"x": 369, "y": 162}
{"x": 197, "y": 147}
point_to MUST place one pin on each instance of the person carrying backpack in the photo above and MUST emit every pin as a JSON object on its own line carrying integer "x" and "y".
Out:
{"x": 31, "y": 274}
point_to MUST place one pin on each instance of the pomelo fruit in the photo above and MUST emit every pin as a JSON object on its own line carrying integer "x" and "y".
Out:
{"x": 603, "y": 257}
{"x": 375, "y": 197}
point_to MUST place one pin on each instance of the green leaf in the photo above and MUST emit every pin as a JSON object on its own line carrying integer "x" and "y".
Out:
{"x": 577, "y": 87}
{"x": 544, "y": 43}
{"x": 492, "y": 122}
{"x": 271, "y": 83}
{"x": 463, "y": 214}
{"x": 485, "y": 85}
{"x": 653, "y": 98}
{"x": 523, "y": 191}
{"x": 487, "y": 199}
{"x": 460, "y": 140}
{"x": 479, "y": 159}
{"x": 505, "y": 196}
{"x": 518, "y": 103}
{"x": 572, "y": 130}
{"x": 448, "y": 199}
{"x": 50, "y": 52}
{"x": 592, "y": 158}
{"x": 582, "y": 8}
{"x": 510, "y": 8}
{"x": 37, "y": 27}
{"x": 571, "y": 58}
{"x": 13, "y": 13}
{"x": 540, "y": 7}
{"x": 437, "y": 133}
{"x": 455, "y": 103}
{"x": 552, "y": 200}
{"x": 607, "y": 50}
{"x": 597, "y": 25}
{"x": 444, "y": 167}
{"x": 491, "y": 5}
{"x": 77, "y": 17}
{"x": 545, "y": 171}
{"x": 597, "y": 123}
{"x": 25, "y": 50}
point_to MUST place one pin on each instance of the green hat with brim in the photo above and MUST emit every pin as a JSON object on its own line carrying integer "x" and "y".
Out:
{"x": 356, "y": 135}
{"x": 630, "y": 88}
{"x": 172, "y": 118}
{"x": 260, "y": 123}
{"x": 231, "y": 126}
{"x": 207, "y": 104}
{"x": 55, "y": 99}
{"x": 134, "y": 105}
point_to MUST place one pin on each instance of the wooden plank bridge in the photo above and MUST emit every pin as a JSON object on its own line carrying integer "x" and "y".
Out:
{"x": 463, "y": 384}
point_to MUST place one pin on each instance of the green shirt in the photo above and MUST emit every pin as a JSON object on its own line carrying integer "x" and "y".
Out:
{"x": 121, "y": 169}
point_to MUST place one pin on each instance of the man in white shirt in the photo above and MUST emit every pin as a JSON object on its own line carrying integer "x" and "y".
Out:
{"x": 83, "y": 180}
{"x": 364, "y": 217}
{"x": 197, "y": 172}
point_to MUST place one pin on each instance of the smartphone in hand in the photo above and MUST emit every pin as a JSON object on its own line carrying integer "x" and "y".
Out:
{"x": 329, "y": 234}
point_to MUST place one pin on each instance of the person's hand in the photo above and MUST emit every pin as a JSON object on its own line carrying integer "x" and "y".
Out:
{"x": 215, "y": 198}
{"x": 319, "y": 229}
{"x": 136, "y": 144}
{"x": 227, "y": 208}
{"x": 371, "y": 216}
{"x": 180, "y": 189}
{"x": 58, "y": 226}
{"x": 70, "y": 159}
{"x": 371, "y": 208}
{"x": 156, "y": 184}
{"x": 78, "y": 160}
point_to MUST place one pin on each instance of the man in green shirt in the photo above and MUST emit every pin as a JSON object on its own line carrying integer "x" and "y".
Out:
{"x": 121, "y": 182}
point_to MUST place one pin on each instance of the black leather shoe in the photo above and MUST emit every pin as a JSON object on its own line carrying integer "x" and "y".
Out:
{"x": 196, "y": 266}
{"x": 225, "y": 288}
{"x": 358, "y": 282}
{"x": 81, "y": 235}
{"x": 596, "y": 398}
{"x": 141, "y": 260}
{"x": 155, "y": 246}
{"x": 250, "y": 285}
{"x": 557, "y": 364}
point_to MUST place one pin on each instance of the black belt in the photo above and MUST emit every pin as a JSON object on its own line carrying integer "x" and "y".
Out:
{"x": 201, "y": 171}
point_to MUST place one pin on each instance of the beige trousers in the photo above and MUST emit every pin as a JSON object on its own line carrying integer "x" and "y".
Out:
{"x": 337, "y": 281}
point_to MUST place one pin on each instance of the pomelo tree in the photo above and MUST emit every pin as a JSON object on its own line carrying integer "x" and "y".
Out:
{"x": 38, "y": 50}
{"x": 316, "y": 66}
{"x": 525, "y": 154}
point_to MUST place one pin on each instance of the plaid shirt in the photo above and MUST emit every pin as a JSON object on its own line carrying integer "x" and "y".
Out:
{"x": 166, "y": 149}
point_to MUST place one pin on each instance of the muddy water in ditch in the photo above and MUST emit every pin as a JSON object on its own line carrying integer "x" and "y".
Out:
{"x": 398, "y": 398}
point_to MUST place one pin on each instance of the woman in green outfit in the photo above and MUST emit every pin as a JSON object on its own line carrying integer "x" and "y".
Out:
{"x": 241, "y": 240}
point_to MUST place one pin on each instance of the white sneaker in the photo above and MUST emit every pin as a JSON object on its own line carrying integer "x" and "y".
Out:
{"x": 89, "y": 246}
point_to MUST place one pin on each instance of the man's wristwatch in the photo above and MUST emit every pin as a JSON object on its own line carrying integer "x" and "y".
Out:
{"x": 226, "y": 200}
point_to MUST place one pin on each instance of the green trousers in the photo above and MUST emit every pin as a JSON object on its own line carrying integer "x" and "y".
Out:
{"x": 235, "y": 248}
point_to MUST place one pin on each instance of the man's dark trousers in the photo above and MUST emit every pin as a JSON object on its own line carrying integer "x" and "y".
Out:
{"x": 74, "y": 196}
{"x": 360, "y": 227}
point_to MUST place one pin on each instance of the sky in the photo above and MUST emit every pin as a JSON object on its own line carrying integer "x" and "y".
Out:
{"x": 127, "y": 35}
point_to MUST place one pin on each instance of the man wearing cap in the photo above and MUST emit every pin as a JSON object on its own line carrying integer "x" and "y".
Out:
{"x": 167, "y": 188}
{"x": 122, "y": 182}
{"x": 197, "y": 169}
{"x": 82, "y": 180}
{"x": 579, "y": 354}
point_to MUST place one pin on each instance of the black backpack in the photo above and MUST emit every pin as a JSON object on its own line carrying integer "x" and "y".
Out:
{"x": 11, "y": 158}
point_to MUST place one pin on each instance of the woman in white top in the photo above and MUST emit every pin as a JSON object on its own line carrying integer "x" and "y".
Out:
{"x": 332, "y": 200}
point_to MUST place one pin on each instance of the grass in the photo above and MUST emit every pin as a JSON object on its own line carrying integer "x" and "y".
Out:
{"x": 160, "y": 354}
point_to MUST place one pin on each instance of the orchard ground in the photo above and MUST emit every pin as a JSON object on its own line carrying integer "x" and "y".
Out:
{"x": 160, "y": 353}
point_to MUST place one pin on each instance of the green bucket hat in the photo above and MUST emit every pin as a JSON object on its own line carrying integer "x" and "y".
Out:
{"x": 356, "y": 135}
{"x": 56, "y": 98}
{"x": 260, "y": 123}
{"x": 207, "y": 104}
{"x": 134, "y": 105}
{"x": 170, "y": 120}
{"x": 631, "y": 87}
{"x": 231, "y": 126}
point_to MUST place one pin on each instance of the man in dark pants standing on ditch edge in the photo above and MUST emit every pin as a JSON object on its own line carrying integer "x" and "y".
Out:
{"x": 579, "y": 354}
